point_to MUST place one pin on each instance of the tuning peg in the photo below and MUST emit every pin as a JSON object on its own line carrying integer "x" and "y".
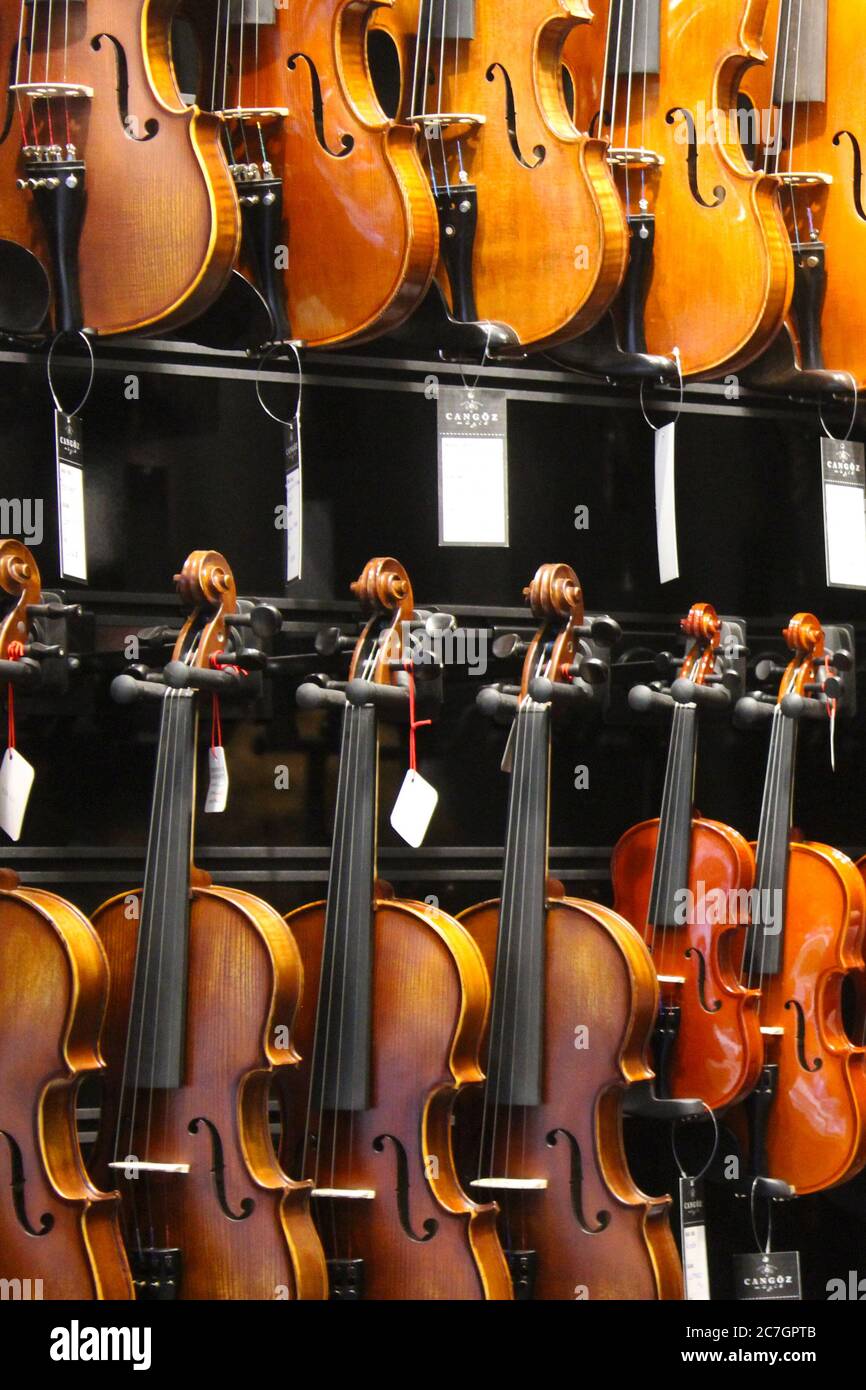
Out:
{"x": 248, "y": 658}
{"x": 41, "y": 650}
{"x": 605, "y": 630}
{"x": 264, "y": 619}
{"x": 157, "y": 636}
{"x": 840, "y": 661}
{"x": 508, "y": 645}
{"x": 435, "y": 624}
{"x": 592, "y": 670}
{"x": 667, "y": 661}
{"x": 330, "y": 641}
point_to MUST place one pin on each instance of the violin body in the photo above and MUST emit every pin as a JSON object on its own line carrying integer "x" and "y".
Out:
{"x": 551, "y": 245}
{"x": 815, "y": 1133}
{"x": 719, "y": 1048}
{"x": 595, "y": 1233}
{"x": 421, "y": 1237}
{"x": 830, "y": 142}
{"x": 243, "y": 1228}
{"x": 159, "y": 221}
{"x": 58, "y": 1227}
{"x": 358, "y": 223}
{"x": 717, "y": 221}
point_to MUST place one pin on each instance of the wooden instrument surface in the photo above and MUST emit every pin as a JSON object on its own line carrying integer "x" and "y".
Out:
{"x": 722, "y": 276}
{"x": 551, "y": 245}
{"x": 161, "y": 227}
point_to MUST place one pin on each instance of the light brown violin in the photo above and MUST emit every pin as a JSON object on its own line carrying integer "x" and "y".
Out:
{"x": 533, "y": 236}
{"x": 340, "y": 232}
{"x": 711, "y": 269}
{"x": 124, "y": 216}
{"x": 806, "y": 1119}
{"x": 59, "y": 1232}
{"x": 205, "y": 982}
{"x": 684, "y": 882}
{"x": 575, "y": 999}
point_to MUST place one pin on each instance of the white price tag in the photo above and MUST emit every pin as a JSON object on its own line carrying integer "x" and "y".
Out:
{"x": 413, "y": 809}
{"x": 844, "y": 480}
{"x": 16, "y": 782}
{"x": 294, "y": 500}
{"x": 693, "y": 1231}
{"x": 218, "y": 784}
{"x": 666, "y": 503}
{"x": 70, "y": 496}
{"x": 473, "y": 467}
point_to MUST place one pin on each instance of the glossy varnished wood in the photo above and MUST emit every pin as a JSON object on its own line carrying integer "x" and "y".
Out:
{"x": 53, "y": 990}
{"x": 430, "y": 1001}
{"x": 551, "y": 246}
{"x": 245, "y": 981}
{"x": 162, "y": 227}
{"x": 722, "y": 275}
{"x": 816, "y": 1136}
{"x": 719, "y": 1049}
{"x": 599, "y": 977}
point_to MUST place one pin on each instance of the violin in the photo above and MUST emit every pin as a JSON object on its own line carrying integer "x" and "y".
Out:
{"x": 125, "y": 214}
{"x": 574, "y": 1002}
{"x": 805, "y": 1120}
{"x": 532, "y": 233}
{"x": 340, "y": 233}
{"x": 658, "y": 80}
{"x": 392, "y": 1018}
{"x": 684, "y": 883}
{"x": 205, "y": 982}
{"x": 809, "y": 122}
{"x": 59, "y": 1232}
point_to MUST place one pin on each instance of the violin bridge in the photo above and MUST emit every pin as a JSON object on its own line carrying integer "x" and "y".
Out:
{"x": 631, "y": 157}
{"x": 672, "y": 979}
{"x": 132, "y": 1167}
{"x": 354, "y": 1194}
{"x": 46, "y": 91}
{"x": 796, "y": 178}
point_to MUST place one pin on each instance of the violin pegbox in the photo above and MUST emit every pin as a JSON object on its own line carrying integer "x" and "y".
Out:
{"x": 817, "y": 681}
{"x": 34, "y": 626}
{"x": 710, "y": 673}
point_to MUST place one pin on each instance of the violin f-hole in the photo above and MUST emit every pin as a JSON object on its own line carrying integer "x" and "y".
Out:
{"x": 129, "y": 123}
{"x": 347, "y": 142}
{"x": 431, "y": 1225}
{"x": 719, "y": 193}
{"x": 218, "y": 1172}
{"x": 10, "y": 97}
{"x": 539, "y": 151}
{"x": 818, "y": 1063}
{"x": 857, "y": 174}
{"x": 576, "y": 1184}
{"x": 18, "y": 1185}
{"x": 702, "y": 981}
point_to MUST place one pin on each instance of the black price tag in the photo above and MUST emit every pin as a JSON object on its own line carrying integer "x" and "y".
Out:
{"x": 774, "y": 1276}
{"x": 294, "y": 500}
{"x": 70, "y": 496}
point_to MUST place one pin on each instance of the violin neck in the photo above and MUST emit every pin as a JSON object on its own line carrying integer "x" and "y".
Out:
{"x": 768, "y": 917}
{"x": 156, "y": 1037}
{"x": 340, "y": 1078}
{"x": 514, "y": 1067}
{"x": 633, "y": 39}
{"x": 674, "y": 844}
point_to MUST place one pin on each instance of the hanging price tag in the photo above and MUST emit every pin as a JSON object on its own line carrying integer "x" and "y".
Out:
{"x": 693, "y": 1231}
{"x": 70, "y": 496}
{"x": 218, "y": 783}
{"x": 294, "y": 499}
{"x": 16, "y": 782}
{"x": 413, "y": 809}
{"x": 765, "y": 1275}
{"x": 843, "y": 476}
{"x": 473, "y": 467}
{"x": 666, "y": 503}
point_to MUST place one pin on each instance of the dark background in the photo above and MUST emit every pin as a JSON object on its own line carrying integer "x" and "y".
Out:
{"x": 194, "y": 463}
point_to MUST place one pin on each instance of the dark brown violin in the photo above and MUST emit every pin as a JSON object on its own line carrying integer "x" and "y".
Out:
{"x": 391, "y": 1024}
{"x": 116, "y": 204}
{"x": 684, "y": 882}
{"x": 204, "y": 986}
{"x": 575, "y": 999}
{"x": 806, "y": 1118}
{"x": 59, "y": 1232}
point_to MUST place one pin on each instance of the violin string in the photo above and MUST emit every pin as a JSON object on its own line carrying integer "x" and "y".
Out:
{"x": 782, "y": 87}
{"x": 423, "y": 78}
{"x": 217, "y": 30}
{"x": 772, "y": 146}
{"x": 34, "y": 39}
{"x": 459, "y": 140}
{"x": 770, "y": 865}
{"x": 19, "y": 103}
{"x": 671, "y": 826}
{"x": 644, "y": 102}
{"x": 615, "y": 79}
{"x": 628, "y": 97}
{"x": 604, "y": 72}
{"x": 48, "y": 38}
{"x": 226, "y": 46}
{"x": 416, "y": 96}
{"x": 443, "y": 25}
{"x": 793, "y": 139}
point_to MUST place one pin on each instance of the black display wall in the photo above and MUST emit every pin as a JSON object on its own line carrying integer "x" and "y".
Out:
{"x": 180, "y": 456}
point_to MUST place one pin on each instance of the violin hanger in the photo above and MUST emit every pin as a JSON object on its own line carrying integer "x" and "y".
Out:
{"x": 455, "y": 340}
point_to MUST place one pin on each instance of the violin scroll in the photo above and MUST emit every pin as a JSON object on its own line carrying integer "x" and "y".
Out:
{"x": 207, "y": 586}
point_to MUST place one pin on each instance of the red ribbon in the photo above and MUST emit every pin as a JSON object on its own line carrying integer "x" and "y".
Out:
{"x": 414, "y": 724}
{"x": 15, "y": 651}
